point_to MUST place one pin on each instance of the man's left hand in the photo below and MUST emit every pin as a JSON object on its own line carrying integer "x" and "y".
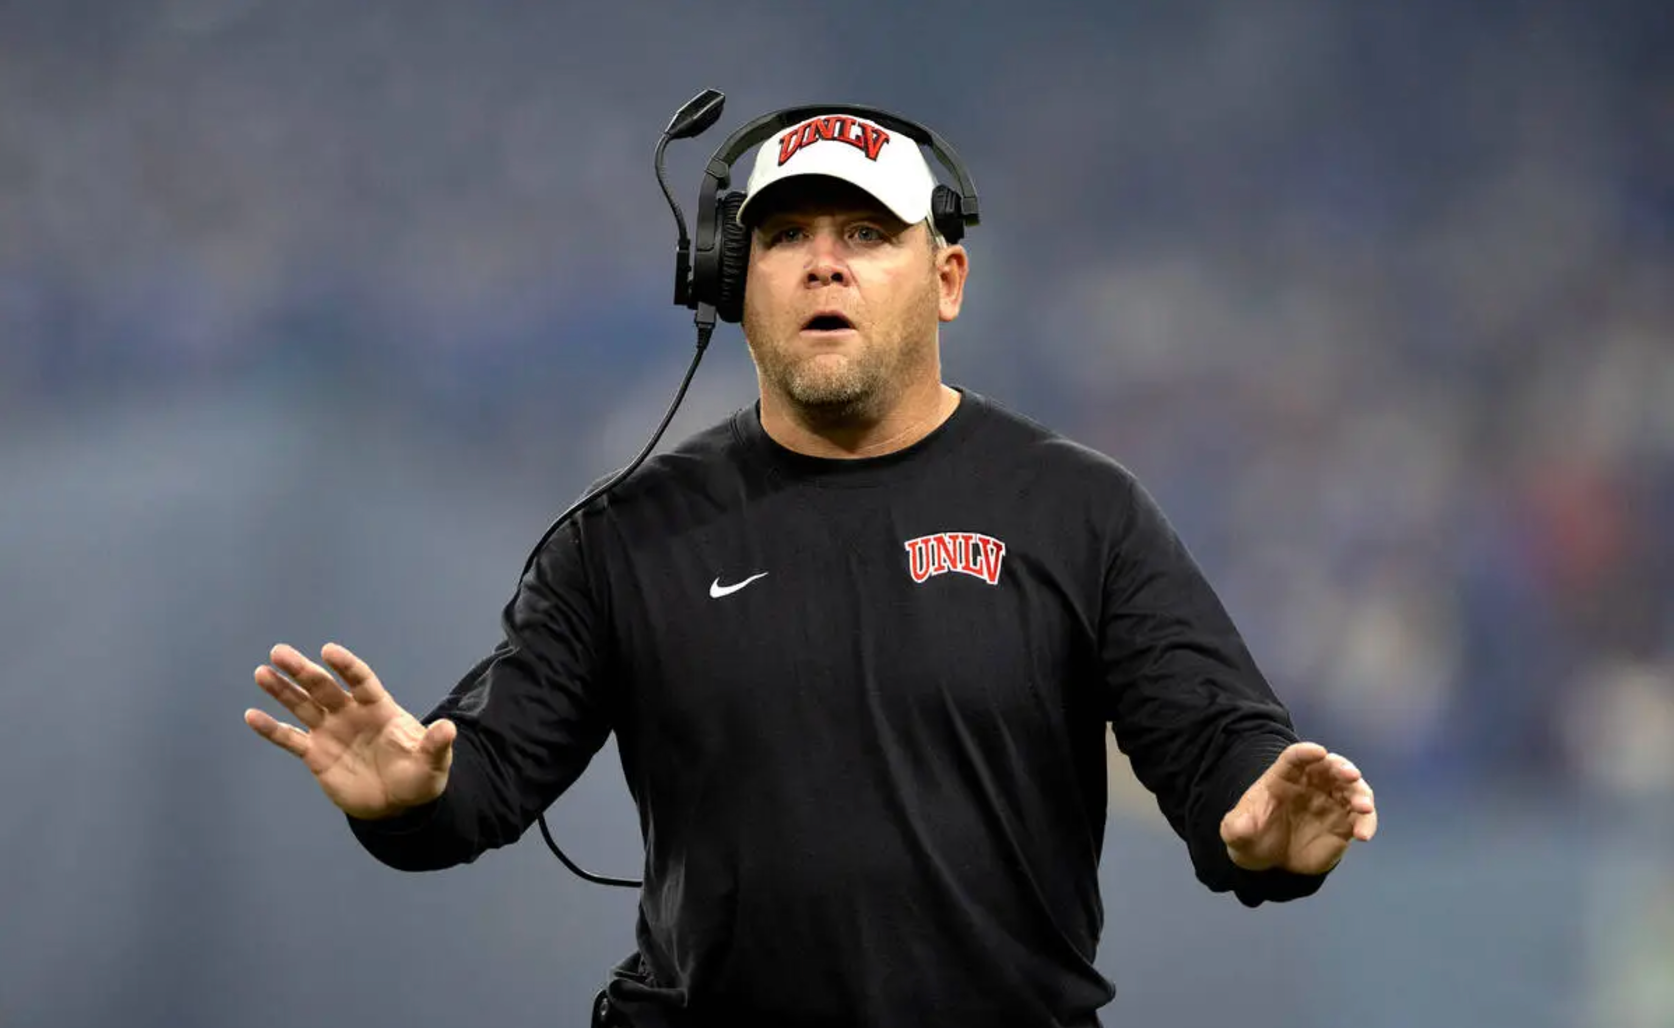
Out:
{"x": 1301, "y": 814}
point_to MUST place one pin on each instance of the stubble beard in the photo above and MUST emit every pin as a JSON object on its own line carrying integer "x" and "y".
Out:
{"x": 838, "y": 387}
{"x": 857, "y": 385}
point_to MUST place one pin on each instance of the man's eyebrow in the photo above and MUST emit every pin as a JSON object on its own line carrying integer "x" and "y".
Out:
{"x": 880, "y": 217}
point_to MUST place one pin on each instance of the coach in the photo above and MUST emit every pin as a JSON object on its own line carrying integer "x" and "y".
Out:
{"x": 860, "y": 644}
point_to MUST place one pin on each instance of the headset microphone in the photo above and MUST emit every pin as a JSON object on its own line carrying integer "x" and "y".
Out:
{"x": 694, "y": 119}
{"x": 697, "y": 116}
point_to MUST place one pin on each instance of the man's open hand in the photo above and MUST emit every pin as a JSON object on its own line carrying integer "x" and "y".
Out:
{"x": 371, "y": 757}
{"x": 1301, "y": 814}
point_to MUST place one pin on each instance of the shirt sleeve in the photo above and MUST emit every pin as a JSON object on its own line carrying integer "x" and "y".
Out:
{"x": 1187, "y": 704}
{"x": 530, "y": 715}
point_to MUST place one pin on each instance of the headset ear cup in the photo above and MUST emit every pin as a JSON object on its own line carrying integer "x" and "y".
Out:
{"x": 948, "y": 213}
{"x": 734, "y": 261}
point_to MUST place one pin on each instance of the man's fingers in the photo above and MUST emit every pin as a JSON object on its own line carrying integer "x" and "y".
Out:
{"x": 1366, "y": 826}
{"x": 356, "y": 674}
{"x": 1356, "y": 806}
{"x": 1364, "y": 806}
{"x": 290, "y": 739}
{"x": 1334, "y": 767}
{"x": 1334, "y": 775}
{"x": 1297, "y": 760}
{"x": 1345, "y": 793}
{"x": 1343, "y": 781}
{"x": 315, "y": 680}
{"x": 290, "y": 696}
{"x": 1327, "y": 805}
{"x": 1304, "y": 753}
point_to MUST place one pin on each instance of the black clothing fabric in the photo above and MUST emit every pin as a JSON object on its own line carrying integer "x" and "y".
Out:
{"x": 871, "y": 779}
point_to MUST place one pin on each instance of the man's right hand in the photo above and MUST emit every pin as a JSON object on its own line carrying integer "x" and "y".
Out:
{"x": 371, "y": 757}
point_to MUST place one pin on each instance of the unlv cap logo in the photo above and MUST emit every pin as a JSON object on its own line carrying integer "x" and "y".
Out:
{"x": 840, "y": 128}
{"x": 965, "y": 552}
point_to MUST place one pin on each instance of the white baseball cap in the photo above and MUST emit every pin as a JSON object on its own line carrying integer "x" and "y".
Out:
{"x": 884, "y": 163}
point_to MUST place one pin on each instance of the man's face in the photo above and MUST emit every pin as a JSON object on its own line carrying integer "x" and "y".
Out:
{"x": 842, "y": 299}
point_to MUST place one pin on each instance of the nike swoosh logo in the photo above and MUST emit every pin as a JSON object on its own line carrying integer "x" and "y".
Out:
{"x": 717, "y": 590}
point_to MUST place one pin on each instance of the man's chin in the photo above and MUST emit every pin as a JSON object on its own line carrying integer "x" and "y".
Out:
{"x": 828, "y": 395}
{"x": 833, "y": 394}
{"x": 824, "y": 379}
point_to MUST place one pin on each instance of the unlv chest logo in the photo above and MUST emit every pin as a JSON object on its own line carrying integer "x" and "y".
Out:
{"x": 968, "y": 553}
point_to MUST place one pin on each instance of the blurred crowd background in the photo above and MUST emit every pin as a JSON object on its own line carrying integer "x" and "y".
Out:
{"x": 312, "y": 315}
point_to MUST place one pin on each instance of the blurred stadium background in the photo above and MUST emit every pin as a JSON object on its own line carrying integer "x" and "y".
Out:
{"x": 313, "y": 314}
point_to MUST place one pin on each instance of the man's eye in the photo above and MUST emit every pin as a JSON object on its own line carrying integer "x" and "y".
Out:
{"x": 787, "y": 235}
{"x": 868, "y": 233}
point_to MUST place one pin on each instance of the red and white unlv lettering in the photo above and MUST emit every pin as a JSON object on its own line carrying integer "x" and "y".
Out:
{"x": 862, "y": 135}
{"x": 967, "y": 552}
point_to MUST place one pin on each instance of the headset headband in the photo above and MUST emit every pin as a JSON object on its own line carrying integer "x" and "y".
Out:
{"x": 718, "y": 175}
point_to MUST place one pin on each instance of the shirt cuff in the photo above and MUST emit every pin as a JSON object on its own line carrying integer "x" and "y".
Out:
{"x": 410, "y": 821}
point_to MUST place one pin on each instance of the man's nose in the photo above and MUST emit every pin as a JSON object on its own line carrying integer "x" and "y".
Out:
{"x": 825, "y": 261}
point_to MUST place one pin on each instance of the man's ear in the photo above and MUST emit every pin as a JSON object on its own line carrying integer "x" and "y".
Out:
{"x": 952, "y": 267}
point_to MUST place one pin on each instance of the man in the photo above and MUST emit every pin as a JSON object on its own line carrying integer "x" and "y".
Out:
{"x": 859, "y": 644}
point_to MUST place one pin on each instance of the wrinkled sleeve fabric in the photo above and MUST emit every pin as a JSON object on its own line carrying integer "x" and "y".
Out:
{"x": 530, "y": 715}
{"x": 1187, "y": 704}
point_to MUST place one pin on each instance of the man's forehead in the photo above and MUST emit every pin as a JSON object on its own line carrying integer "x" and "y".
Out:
{"x": 816, "y": 194}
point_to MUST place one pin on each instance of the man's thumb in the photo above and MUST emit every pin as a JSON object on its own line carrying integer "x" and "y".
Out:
{"x": 437, "y": 743}
{"x": 1238, "y": 826}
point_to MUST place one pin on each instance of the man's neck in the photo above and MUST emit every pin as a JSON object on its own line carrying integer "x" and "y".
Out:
{"x": 914, "y": 415}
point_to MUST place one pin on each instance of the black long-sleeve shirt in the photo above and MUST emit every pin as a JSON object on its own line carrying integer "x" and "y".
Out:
{"x": 861, "y": 707}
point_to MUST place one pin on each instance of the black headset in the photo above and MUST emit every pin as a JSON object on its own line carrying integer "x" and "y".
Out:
{"x": 713, "y": 283}
{"x": 723, "y": 246}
